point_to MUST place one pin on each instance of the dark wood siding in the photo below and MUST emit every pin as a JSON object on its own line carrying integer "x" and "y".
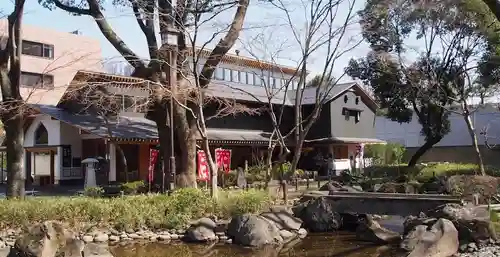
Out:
{"x": 321, "y": 128}
{"x": 244, "y": 121}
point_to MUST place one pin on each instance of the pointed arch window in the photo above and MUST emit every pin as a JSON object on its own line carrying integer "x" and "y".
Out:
{"x": 41, "y": 135}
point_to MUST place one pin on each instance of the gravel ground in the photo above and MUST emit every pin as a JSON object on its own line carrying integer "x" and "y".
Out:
{"x": 489, "y": 251}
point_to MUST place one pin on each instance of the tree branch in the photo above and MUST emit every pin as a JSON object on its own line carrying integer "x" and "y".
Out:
{"x": 494, "y": 6}
{"x": 71, "y": 9}
{"x": 95, "y": 12}
{"x": 147, "y": 27}
{"x": 224, "y": 45}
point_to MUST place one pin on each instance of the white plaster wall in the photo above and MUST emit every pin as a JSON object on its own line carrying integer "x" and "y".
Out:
{"x": 53, "y": 129}
{"x": 409, "y": 135}
{"x": 71, "y": 136}
{"x": 60, "y": 133}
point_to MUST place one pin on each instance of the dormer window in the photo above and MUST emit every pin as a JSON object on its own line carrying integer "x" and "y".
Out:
{"x": 345, "y": 98}
{"x": 350, "y": 112}
{"x": 357, "y": 100}
{"x": 41, "y": 135}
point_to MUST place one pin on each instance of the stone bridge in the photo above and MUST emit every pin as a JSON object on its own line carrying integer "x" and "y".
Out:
{"x": 382, "y": 203}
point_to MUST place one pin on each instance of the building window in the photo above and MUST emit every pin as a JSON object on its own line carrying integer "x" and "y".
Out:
{"x": 30, "y": 79}
{"x": 219, "y": 74}
{"x": 250, "y": 78}
{"x": 351, "y": 113}
{"x": 38, "y": 49}
{"x": 227, "y": 74}
{"x": 242, "y": 77}
{"x": 41, "y": 135}
{"x": 257, "y": 80}
{"x": 235, "y": 76}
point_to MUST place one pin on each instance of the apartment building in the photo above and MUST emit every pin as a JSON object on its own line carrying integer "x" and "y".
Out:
{"x": 50, "y": 59}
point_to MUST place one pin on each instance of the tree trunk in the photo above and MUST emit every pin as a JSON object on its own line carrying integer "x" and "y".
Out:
{"x": 14, "y": 137}
{"x": 269, "y": 161}
{"x": 298, "y": 152}
{"x": 187, "y": 166}
{"x": 123, "y": 159}
{"x": 211, "y": 167}
{"x": 422, "y": 150}
{"x": 472, "y": 133}
{"x": 164, "y": 138}
{"x": 159, "y": 114}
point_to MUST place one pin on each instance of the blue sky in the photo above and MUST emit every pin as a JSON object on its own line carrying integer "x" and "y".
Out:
{"x": 262, "y": 22}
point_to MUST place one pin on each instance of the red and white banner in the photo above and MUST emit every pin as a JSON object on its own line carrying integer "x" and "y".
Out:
{"x": 223, "y": 159}
{"x": 153, "y": 157}
{"x": 203, "y": 171}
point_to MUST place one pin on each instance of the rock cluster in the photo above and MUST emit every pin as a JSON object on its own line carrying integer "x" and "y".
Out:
{"x": 448, "y": 229}
{"x": 276, "y": 227}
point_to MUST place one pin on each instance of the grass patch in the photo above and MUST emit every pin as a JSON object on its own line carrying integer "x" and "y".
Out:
{"x": 153, "y": 211}
{"x": 423, "y": 173}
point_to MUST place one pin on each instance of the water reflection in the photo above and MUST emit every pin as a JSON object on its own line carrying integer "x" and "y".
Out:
{"x": 318, "y": 245}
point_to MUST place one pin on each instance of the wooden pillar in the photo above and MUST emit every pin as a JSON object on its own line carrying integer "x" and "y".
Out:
{"x": 52, "y": 167}
{"x": 112, "y": 162}
{"x": 143, "y": 161}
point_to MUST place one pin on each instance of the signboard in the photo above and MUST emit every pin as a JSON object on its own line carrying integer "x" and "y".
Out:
{"x": 203, "y": 171}
{"x": 66, "y": 156}
{"x": 153, "y": 157}
{"x": 223, "y": 159}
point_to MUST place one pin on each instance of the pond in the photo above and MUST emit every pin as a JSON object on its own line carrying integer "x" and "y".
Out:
{"x": 316, "y": 245}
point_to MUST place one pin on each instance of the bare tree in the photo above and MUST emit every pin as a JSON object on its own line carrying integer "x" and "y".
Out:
{"x": 324, "y": 39}
{"x": 12, "y": 102}
{"x": 179, "y": 16}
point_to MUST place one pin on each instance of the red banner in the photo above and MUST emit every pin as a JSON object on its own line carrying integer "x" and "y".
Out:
{"x": 203, "y": 171}
{"x": 153, "y": 157}
{"x": 223, "y": 159}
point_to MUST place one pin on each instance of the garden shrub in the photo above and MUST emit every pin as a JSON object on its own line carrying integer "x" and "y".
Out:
{"x": 132, "y": 211}
{"x": 135, "y": 187}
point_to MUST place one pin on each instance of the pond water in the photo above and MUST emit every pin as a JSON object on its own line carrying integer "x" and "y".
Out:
{"x": 317, "y": 245}
{"x": 338, "y": 244}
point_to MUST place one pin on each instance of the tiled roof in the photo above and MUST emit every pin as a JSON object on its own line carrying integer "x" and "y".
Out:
{"x": 136, "y": 128}
{"x": 232, "y": 90}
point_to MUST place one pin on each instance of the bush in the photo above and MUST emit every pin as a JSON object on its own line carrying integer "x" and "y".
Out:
{"x": 93, "y": 191}
{"x": 426, "y": 172}
{"x": 385, "y": 154}
{"x": 135, "y": 187}
{"x": 153, "y": 210}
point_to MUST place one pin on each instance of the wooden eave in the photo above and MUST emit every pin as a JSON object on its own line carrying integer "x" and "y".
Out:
{"x": 250, "y": 62}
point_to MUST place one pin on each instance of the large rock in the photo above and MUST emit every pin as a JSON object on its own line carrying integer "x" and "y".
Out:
{"x": 318, "y": 215}
{"x": 439, "y": 240}
{"x": 371, "y": 231}
{"x": 283, "y": 219}
{"x": 253, "y": 230}
{"x": 96, "y": 250}
{"x": 47, "y": 239}
{"x": 472, "y": 222}
{"x": 351, "y": 221}
{"x": 401, "y": 188}
{"x": 4, "y": 252}
{"x": 334, "y": 186}
{"x": 202, "y": 231}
